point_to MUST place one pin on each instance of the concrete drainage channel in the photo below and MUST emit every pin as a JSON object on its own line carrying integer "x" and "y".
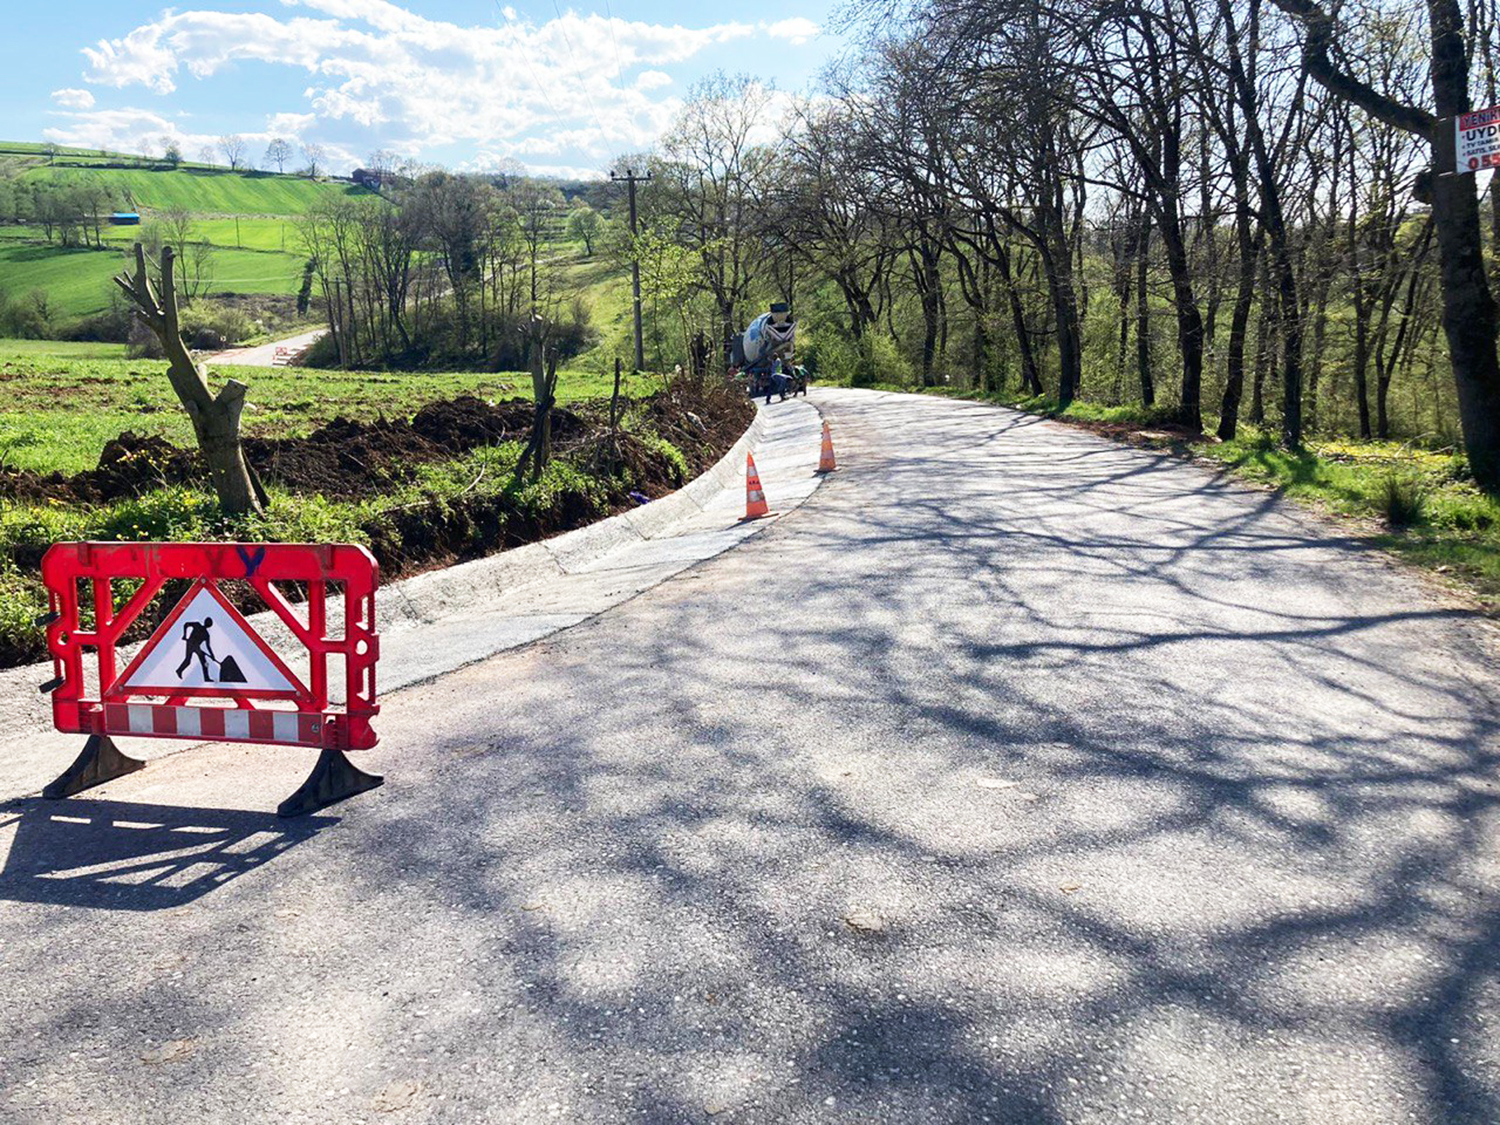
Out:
{"x": 433, "y": 623}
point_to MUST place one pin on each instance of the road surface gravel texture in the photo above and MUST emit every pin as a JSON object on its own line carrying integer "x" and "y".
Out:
{"x": 1016, "y": 776}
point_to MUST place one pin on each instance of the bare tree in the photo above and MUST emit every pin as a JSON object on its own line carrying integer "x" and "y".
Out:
{"x": 313, "y": 154}
{"x": 278, "y": 152}
{"x": 232, "y": 145}
{"x": 215, "y": 418}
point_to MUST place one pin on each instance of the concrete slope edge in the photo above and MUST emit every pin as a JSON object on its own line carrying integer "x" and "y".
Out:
{"x": 424, "y": 599}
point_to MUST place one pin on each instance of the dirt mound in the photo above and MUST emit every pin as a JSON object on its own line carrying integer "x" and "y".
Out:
{"x": 132, "y": 464}
{"x": 613, "y": 472}
{"x": 344, "y": 459}
{"x": 701, "y": 419}
{"x": 464, "y": 423}
{"x": 129, "y": 465}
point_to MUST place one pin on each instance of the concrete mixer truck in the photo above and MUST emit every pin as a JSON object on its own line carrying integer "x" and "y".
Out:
{"x": 763, "y": 353}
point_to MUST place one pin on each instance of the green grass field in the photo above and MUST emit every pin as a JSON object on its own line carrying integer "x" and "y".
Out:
{"x": 209, "y": 191}
{"x": 77, "y": 281}
{"x": 58, "y": 408}
{"x": 59, "y": 349}
{"x": 251, "y": 233}
{"x": 251, "y": 218}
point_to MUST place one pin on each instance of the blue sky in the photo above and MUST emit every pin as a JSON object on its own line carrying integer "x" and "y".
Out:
{"x": 464, "y": 83}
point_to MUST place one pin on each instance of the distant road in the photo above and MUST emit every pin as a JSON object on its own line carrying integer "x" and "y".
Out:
{"x": 262, "y": 354}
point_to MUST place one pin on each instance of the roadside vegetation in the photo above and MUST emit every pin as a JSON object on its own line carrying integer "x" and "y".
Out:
{"x": 423, "y": 468}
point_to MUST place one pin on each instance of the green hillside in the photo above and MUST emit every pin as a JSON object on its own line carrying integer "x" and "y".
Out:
{"x": 206, "y": 191}
{"x": 249, "y": 217}
{"x": 77, "y": 281}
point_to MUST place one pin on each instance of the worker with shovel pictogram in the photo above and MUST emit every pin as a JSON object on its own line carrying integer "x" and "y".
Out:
{"x": 195, "y": 634}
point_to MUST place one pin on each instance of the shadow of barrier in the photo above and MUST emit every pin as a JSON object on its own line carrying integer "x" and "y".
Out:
{"x": 116, "y": 855}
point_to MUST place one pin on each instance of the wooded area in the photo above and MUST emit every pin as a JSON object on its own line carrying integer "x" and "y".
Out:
{"x": 1221, "y": 210}
{"x": 1217, "y": 210}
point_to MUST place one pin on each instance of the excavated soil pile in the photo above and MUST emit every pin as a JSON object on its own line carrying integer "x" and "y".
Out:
{"x": 129, "y": 465}
{"x": 342, "y": 460}
{"x": 347, "y": 460}
{"x": 353, "y": 461}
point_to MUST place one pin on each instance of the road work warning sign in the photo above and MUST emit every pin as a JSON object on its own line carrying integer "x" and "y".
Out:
{"x": 1477, "y": 139}
{"x": 206, "y": 673}
{"x": 205, "y": 647}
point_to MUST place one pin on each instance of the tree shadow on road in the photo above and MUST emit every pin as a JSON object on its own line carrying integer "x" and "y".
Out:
{"x": 1163, "y": 798}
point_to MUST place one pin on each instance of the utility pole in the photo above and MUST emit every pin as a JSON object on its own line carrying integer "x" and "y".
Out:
{"x": 631, "y": 179}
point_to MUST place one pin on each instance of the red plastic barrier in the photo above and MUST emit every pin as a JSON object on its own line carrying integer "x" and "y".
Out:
{"x": 149, "y": 697}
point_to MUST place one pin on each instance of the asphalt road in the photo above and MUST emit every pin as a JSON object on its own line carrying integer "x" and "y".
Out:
{"x": 1016, "y": 776}
{"x": 262, "y": 355}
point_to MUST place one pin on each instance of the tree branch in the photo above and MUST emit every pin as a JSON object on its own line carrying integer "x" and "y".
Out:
{"x": 1315, "y": 57}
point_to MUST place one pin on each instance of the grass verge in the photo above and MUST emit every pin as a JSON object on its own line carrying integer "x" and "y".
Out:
{"x": 57, "y": 411}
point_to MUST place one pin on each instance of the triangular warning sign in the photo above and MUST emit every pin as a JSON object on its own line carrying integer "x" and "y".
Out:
{"x": 205, "y": 647}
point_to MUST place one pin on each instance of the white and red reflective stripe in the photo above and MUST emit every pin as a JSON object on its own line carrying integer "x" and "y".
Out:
{"x": 225, "y": 724}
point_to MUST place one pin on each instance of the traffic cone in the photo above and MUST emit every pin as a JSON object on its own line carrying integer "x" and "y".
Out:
{"x": 826, "y": 463}
{"x": 755, "y": 499}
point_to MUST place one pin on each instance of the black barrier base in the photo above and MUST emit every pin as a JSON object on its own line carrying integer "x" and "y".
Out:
{"x": 99, "y": 762}
{"x": 332, "y": 779}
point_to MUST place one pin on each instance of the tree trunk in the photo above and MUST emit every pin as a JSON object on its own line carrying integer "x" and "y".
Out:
{"x": 215, "y": 418}
{"x": 1239, "y": 321}
{"x": 1143, "y": 316}
{"x": 1469, "y": 322}
{"x": 1362, "y": 357}
{"x": 1030, "y": 376}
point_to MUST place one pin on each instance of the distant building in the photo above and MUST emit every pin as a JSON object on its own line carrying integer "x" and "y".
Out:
{"x": 125, "y": 219}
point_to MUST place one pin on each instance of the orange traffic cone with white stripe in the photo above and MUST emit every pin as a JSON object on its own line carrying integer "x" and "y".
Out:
{"x": 755, "y": 498}
{"x": 826, "y": 463}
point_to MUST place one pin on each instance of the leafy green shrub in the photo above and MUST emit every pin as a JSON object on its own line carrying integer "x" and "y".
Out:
{"x": 21, "y": 600}
{"x": 669, "y": 451}
{"x": 211, "y": 327}
{"x": 29, "y": 317}
{"x": 1403, "y": 500}
{"x": 866, "y": 362}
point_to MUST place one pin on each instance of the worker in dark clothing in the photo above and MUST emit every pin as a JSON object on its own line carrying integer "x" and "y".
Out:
{"x": 195, "y": 633}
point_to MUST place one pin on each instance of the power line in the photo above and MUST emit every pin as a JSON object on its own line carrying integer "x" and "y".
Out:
{"x": 581, "y": 81}
{"x": 535, "y": 78}
{"x": 614, "y": 45}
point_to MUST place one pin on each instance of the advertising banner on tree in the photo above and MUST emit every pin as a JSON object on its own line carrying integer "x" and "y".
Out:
{"x": 1477, "y": 139}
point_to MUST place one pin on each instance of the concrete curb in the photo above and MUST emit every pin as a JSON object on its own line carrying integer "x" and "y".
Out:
{"x": 426, "y": 598}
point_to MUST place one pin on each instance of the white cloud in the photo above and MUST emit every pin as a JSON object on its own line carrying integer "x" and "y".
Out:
{"x": 290, "y": 125}
{"x": 71, "y": 98}
{"x": 377, "y": 74}
{"x": 129, "y": 130}
{"x": 796, "y": 30}
{"x": 565, "y": 171}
